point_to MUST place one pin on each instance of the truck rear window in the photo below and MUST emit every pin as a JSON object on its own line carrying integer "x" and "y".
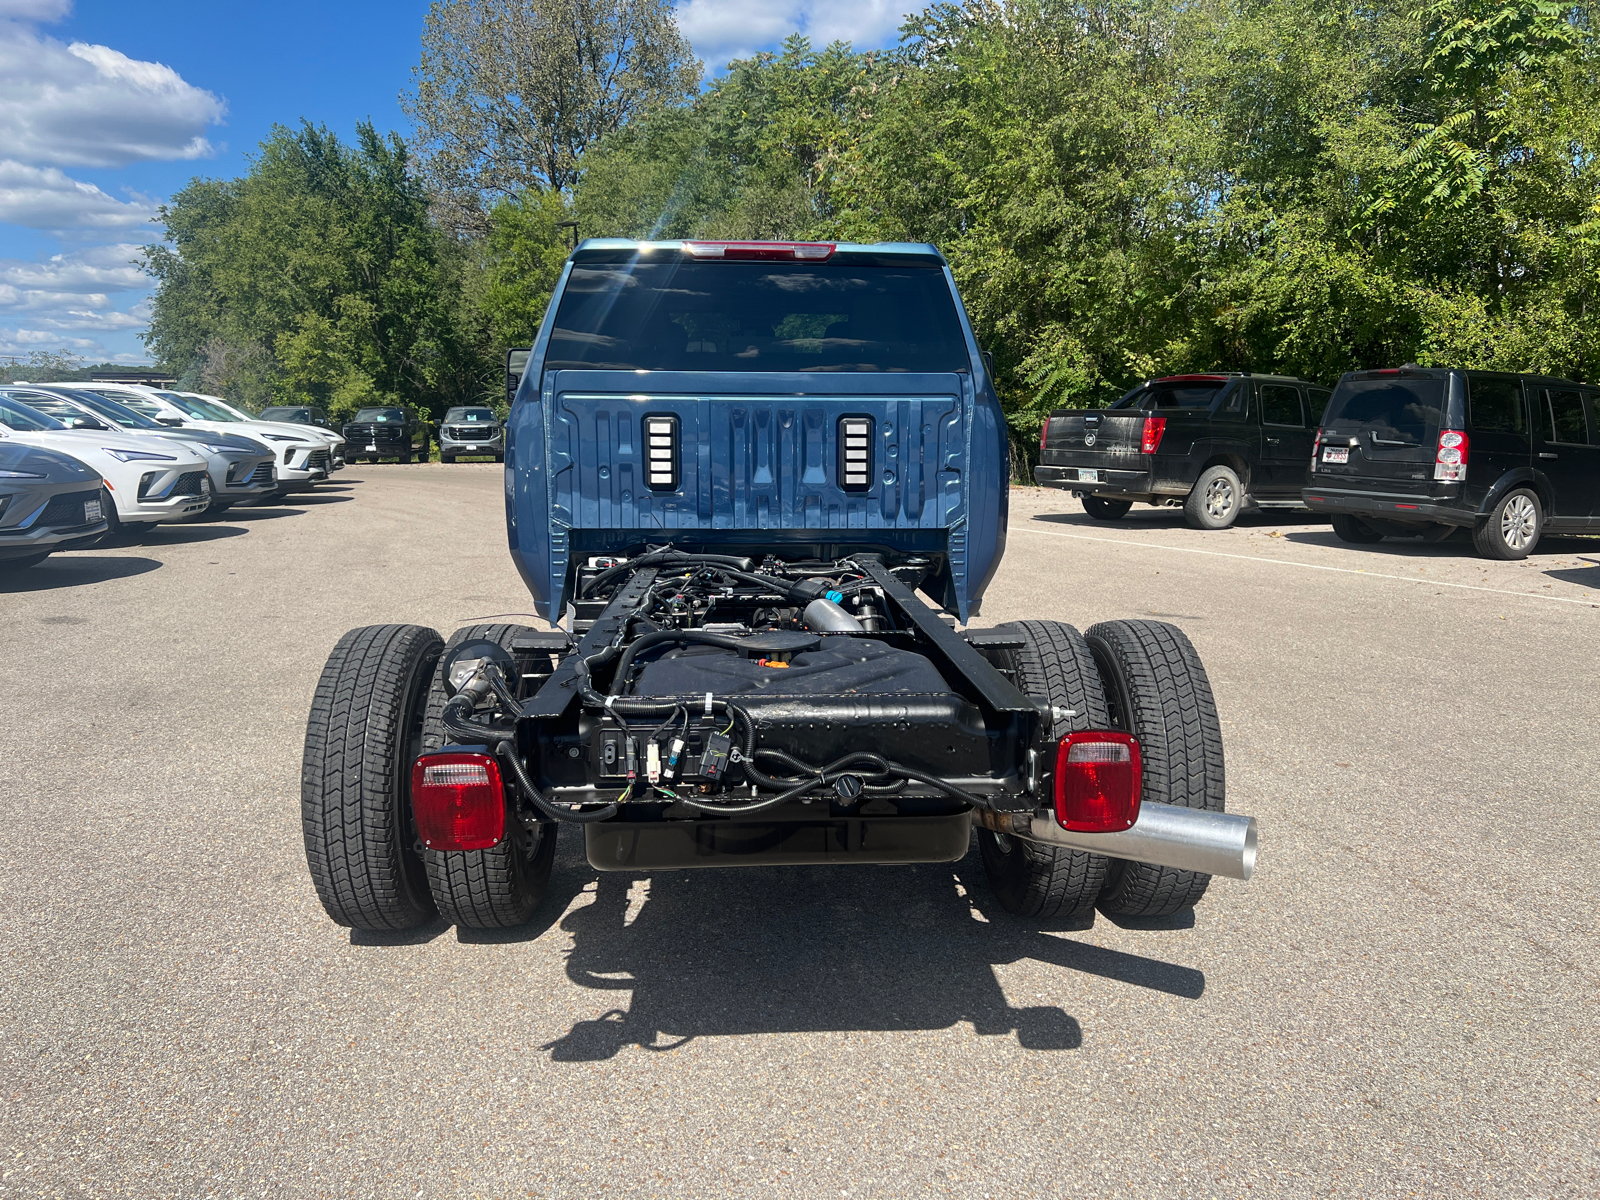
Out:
{"x": 1185, "y": 394}
{"x": 756, "y": 316}
{"x": 1395, "y": 410}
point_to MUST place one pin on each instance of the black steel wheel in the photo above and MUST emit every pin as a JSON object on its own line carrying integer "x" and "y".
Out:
{"x": 498, "y": 888}
{"x": 1158, "y": 691}
{"x": 1029, "y": 878}
{"x": 364, "y": 732}
{"x": 1102, "y": 509}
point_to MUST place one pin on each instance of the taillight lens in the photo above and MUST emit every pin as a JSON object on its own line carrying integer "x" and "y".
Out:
{"x": 1450, "y": 460}
{"x": 1154, "y": 427}
{"x": 458, "y": 801}
{"x": 1044, "y": 432}
{"x": 1098, "y": 777}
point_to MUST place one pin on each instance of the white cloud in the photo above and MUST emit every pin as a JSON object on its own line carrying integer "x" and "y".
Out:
{"x": 34, "y": 10}
{"x": 45, "y": 198}
{"x": 84, "y": 105}
{"x": 21, "y": 341}
{"x": 93, "y": 271}
{"x": 87, "y": 105}
{"x": 723, "y": 29}
{"x": 73, "y": 301}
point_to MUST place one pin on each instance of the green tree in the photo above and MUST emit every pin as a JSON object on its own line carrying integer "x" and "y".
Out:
{"x": 318, "y": 274}
{"x": 511, "y": 93}
{"x": 523, "y": 258}
{"x": 751, "y": 157}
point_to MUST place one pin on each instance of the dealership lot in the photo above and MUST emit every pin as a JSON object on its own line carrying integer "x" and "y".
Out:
{"x": 1402, "y": 1002}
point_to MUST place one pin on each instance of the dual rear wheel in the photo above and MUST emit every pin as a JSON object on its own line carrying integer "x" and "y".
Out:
{"x": 1143, "y": 677}
{"x": 377, "y": 706}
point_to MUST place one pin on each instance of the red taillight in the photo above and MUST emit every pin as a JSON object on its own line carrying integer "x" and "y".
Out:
{"x": 1154, "y": 427}
{"x": 1450, "y": 460}
{"x": 763, "y": 251}
{"x": 1098, "y": 777}
{"x": 1044, "y": 432}
{"x": 458, "y": 801}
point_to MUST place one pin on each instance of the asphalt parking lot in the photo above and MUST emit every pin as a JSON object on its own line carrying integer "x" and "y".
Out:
{"x": 1402, "y": 1002}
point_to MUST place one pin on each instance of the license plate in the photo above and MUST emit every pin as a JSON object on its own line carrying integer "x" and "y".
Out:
{"x": 372, "y": 446}
{"x": 205, "y": 485}
{"x": 1336, "y": 454}
{"x": 91, "y": 511}
{"x": 471, "y": 447}
{"x": 1088, "y": 476}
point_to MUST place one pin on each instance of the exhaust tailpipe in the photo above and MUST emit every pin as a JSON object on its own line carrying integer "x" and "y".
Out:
{"x": 1189, "y": 839}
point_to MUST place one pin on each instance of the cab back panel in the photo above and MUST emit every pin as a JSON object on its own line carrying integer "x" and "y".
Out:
{"x": 759, "y": 468}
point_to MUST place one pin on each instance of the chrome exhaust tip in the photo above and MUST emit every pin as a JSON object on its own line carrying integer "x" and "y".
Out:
{"x": 1189, "y": 839}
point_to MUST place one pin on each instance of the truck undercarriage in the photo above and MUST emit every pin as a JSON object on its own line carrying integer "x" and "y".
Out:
{"x": 716, "y": 710}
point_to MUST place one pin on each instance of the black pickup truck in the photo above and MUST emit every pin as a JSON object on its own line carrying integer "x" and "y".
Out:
{"x": 1215, "y": 444}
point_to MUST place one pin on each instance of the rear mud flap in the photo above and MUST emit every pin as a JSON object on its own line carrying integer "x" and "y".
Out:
{"x": 665, "y": 845}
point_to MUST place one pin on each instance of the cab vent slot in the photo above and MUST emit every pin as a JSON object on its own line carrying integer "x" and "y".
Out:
{"x": 663, "y": 449}
{"x": 855, "y": 453}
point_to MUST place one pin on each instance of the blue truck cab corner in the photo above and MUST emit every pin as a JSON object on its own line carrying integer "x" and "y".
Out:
{"x": 736, "y": 400}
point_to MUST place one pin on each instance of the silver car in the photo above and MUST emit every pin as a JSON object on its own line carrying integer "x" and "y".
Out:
{"x": 49, "y": 501}
{"x": 240, "y": 468}
{"x": 471, "y": 431}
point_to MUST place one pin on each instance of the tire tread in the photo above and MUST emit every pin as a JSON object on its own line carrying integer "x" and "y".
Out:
{"x": 365, "y": 875}
{"x": 1174, "y": 715}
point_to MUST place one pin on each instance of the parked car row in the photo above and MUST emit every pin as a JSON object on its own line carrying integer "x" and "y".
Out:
{"x": 1400, "y": 452}
{"x": 79, "y": 462}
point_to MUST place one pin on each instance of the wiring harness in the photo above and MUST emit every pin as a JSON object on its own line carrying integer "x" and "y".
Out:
{"x": 689, "y": 587}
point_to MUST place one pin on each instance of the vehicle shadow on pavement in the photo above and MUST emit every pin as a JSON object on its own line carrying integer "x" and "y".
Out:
{"x": 63, "y": 571}
{"x": 1172, "y": 518}
{"x": 1582, "y": 576}
{"x": 789, "y": 950}
{"x": 265, "y": 512}
{"x": 1457, "y": 546}
{"x": 420, "y": 935}
{"x": 179, "y": 535}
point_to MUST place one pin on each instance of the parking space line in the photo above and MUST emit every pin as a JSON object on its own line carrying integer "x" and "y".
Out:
{"x": 1283, "y": 562}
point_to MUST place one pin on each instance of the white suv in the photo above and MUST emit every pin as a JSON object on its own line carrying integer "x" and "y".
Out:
{"x": 335, "y": 438}
{"x": 242, "y": 469}
{"x": 304, "y": 457}
{"x": 146, "y": 481}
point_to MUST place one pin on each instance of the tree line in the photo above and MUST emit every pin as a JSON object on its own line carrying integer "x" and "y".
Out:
{"x": 1123, "y": 189}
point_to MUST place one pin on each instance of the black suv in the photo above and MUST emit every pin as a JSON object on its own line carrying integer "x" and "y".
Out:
{"x": 1216, "y": 444}
{"x": 1411, "y": 450}
{"x": 375, "y": 433}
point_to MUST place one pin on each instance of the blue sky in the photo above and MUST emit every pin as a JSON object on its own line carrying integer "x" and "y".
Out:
{"x": 107, "y": 107}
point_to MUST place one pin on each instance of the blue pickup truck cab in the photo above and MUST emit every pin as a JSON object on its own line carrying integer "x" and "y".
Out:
{"x": 757, "y": 489}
